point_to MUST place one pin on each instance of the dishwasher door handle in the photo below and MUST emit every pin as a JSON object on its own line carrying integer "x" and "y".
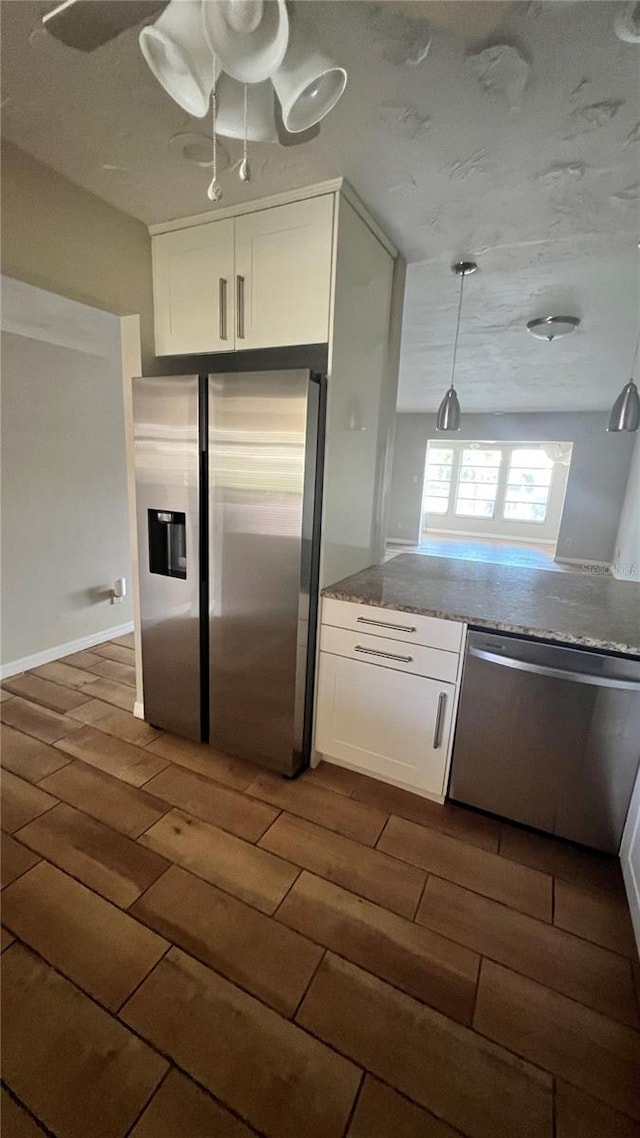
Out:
{"x": 554, "y": 673}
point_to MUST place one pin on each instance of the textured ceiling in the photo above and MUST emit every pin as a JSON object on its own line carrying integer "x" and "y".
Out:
{"x": 525, "y": 157}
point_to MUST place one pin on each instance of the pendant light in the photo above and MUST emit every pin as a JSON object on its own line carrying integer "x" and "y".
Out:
{"x": 625, "y": 413}
{"x": 448, "y": 417}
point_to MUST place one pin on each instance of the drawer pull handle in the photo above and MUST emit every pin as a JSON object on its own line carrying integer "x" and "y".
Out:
{"x": 384, "y": 624}
{"x": 385, "y": 655}
{"x": 437, "y": 730}
{"x": 240, "y": 306}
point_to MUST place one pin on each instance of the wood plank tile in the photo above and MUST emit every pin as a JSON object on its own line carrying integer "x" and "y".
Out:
{"x": 43, "y": 724}
{"x": 122, "y": 760}
{"x": 549, "y": 955}
{"x": 14, "y": 860}
{"x": 524, "y": 889}
{"x": 434, "y": 969}
{"x": 59, "y": 672}
{"x": 47, "y": 694}
{"x": 21, "y": 802}
{"x": 6, "y": 938}
{"x": 361, "y": 870}
{"x": 82, "y": 659}
{"x": 179, "y": 1107}
{"x": 340, "y": 780}
{"x": 574, "y": 1042}
{"x": 80, "y": 1071}
{"x": 205, "y": 760}
{"x": 103, "y": 950}
{"x": 267, "y": 959}
{"x": 579, "y": 1115}
{"x": 599, "y": 917}
{"x": 128, "y": 640}
{"x": 383, "y": 1113}
{"x": 343, "y": 815}
{"x": 247, "y": 872}
{"x": 446, "y": 819}
{"x": 114, "y": 721}
{"x": 16, "y": 1123}
{"x": 28, "y": 757}
{"x": 212, "y": 802}
{"x": 5, "y": 695}
{"x": 274, "y": 1075}
{"x": 114, "y": 866}
{"x": 551, "y": 855}
{"x": 462, "y": 1078}
{"x": 124, "y": 807}
{"x": 114, "y": 670}
{"x": 120, "y": 695}
{"x": 117, "y": 652}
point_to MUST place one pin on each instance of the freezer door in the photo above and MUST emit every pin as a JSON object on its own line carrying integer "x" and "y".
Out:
{"x": 166, "y": 449}
{"x": 262, "y": 453}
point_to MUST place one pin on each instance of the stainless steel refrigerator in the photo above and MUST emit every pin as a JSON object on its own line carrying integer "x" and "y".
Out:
{"x": 227, "y": 471}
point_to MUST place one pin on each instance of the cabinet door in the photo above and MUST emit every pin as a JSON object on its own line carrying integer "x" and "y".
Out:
{"x": 384, "y": 722}
{"x": 193, "y": 282}
{"x": 283, "y": 274}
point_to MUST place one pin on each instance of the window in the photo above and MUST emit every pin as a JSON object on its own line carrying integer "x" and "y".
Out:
{"x": 500, "y": 482}
{"x": 477, "y": 483}
{"x": 526, "y": 495}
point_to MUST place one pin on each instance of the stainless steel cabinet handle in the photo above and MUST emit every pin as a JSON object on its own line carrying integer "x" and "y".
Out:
{"x": 240, "y": 306}
{"x": 555, "y": 673}
{"x": 385, "y": 655}
{"x": 385, "y": 624}
{"x": 437, "y": 730}
{"x": 222, "y": 307}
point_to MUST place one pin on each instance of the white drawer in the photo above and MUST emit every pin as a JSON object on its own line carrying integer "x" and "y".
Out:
{"x": 409, "y": 627}
{"x": 387, "y": 653}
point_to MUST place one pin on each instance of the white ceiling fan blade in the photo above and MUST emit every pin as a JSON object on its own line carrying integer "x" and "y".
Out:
{"x": 88, "y": 24}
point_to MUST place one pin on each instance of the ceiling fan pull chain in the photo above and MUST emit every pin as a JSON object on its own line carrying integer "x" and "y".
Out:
{"x": 214, "y": 193}
{"x": 245, "y": 172}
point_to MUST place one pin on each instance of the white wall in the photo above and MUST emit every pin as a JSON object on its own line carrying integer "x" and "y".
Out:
{"x": 64, "y": 505}
{"x": 626, "y": 559}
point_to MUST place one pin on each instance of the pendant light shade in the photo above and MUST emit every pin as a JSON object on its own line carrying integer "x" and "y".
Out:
{"x": 625, "y": 413}
{"x": 308, "y": 83}
{"x": 178, "y": 54}
{"x": 248, "y": 37}
{"x": 448, "y": 417}
{"x": 261, "y": 123}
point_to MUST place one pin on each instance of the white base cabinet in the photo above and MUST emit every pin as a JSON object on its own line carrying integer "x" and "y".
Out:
{"x": 387, "y": 707}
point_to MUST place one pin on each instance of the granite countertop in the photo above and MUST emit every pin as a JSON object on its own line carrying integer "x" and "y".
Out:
{"x": 592, "y": 610}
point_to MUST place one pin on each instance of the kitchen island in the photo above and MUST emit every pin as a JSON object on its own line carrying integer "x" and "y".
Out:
{"x": 586, "y": 609}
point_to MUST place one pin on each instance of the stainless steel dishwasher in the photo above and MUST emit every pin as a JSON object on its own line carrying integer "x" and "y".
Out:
{"x": 548, "y": 736}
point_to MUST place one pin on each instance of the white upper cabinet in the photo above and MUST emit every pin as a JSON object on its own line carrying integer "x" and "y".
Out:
{"x": 283, "y": 274}
{"x": 258, "y": 280}
{"x": 194, "y": 289}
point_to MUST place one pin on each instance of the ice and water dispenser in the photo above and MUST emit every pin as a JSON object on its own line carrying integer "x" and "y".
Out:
{"x": 167, "y": 543}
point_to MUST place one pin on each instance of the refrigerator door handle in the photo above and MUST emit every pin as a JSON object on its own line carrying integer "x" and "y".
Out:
{"x": 222, "y": 307}
{"x": 554, "y": 673}
{"x": 240, "y": 306}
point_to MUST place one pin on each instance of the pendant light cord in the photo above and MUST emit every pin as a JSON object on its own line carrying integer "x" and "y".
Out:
{"x": 635, "y": 356}
{"x": 455, "y": 343}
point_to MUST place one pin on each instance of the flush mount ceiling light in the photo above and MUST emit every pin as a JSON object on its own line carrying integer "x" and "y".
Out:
{"x": 448, "y": 417}
{"x": 552, "y": 327}
{"x": 625, "y": 413}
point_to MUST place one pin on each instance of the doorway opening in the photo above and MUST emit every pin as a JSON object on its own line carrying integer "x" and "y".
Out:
{"x": 494, "y": 501}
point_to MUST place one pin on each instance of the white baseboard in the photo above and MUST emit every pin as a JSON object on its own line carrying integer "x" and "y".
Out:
{"x": 138, "y": 709}
{"x": 71, "y": 646}
{"x": 587, "y": 565}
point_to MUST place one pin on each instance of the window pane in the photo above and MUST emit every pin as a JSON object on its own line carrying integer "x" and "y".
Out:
{"x": 465, "y": 508}
{"x": 525, "y": 512}
{"x": 522, "y": 477}
{"x": 438, "y": 473}
{"x": 478, "y": 456}
{"x": 527, "y": 494}
{"x": 439, "y": 454}
{"x": 533, "y": 457}
{"x": 436, "y": 505}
